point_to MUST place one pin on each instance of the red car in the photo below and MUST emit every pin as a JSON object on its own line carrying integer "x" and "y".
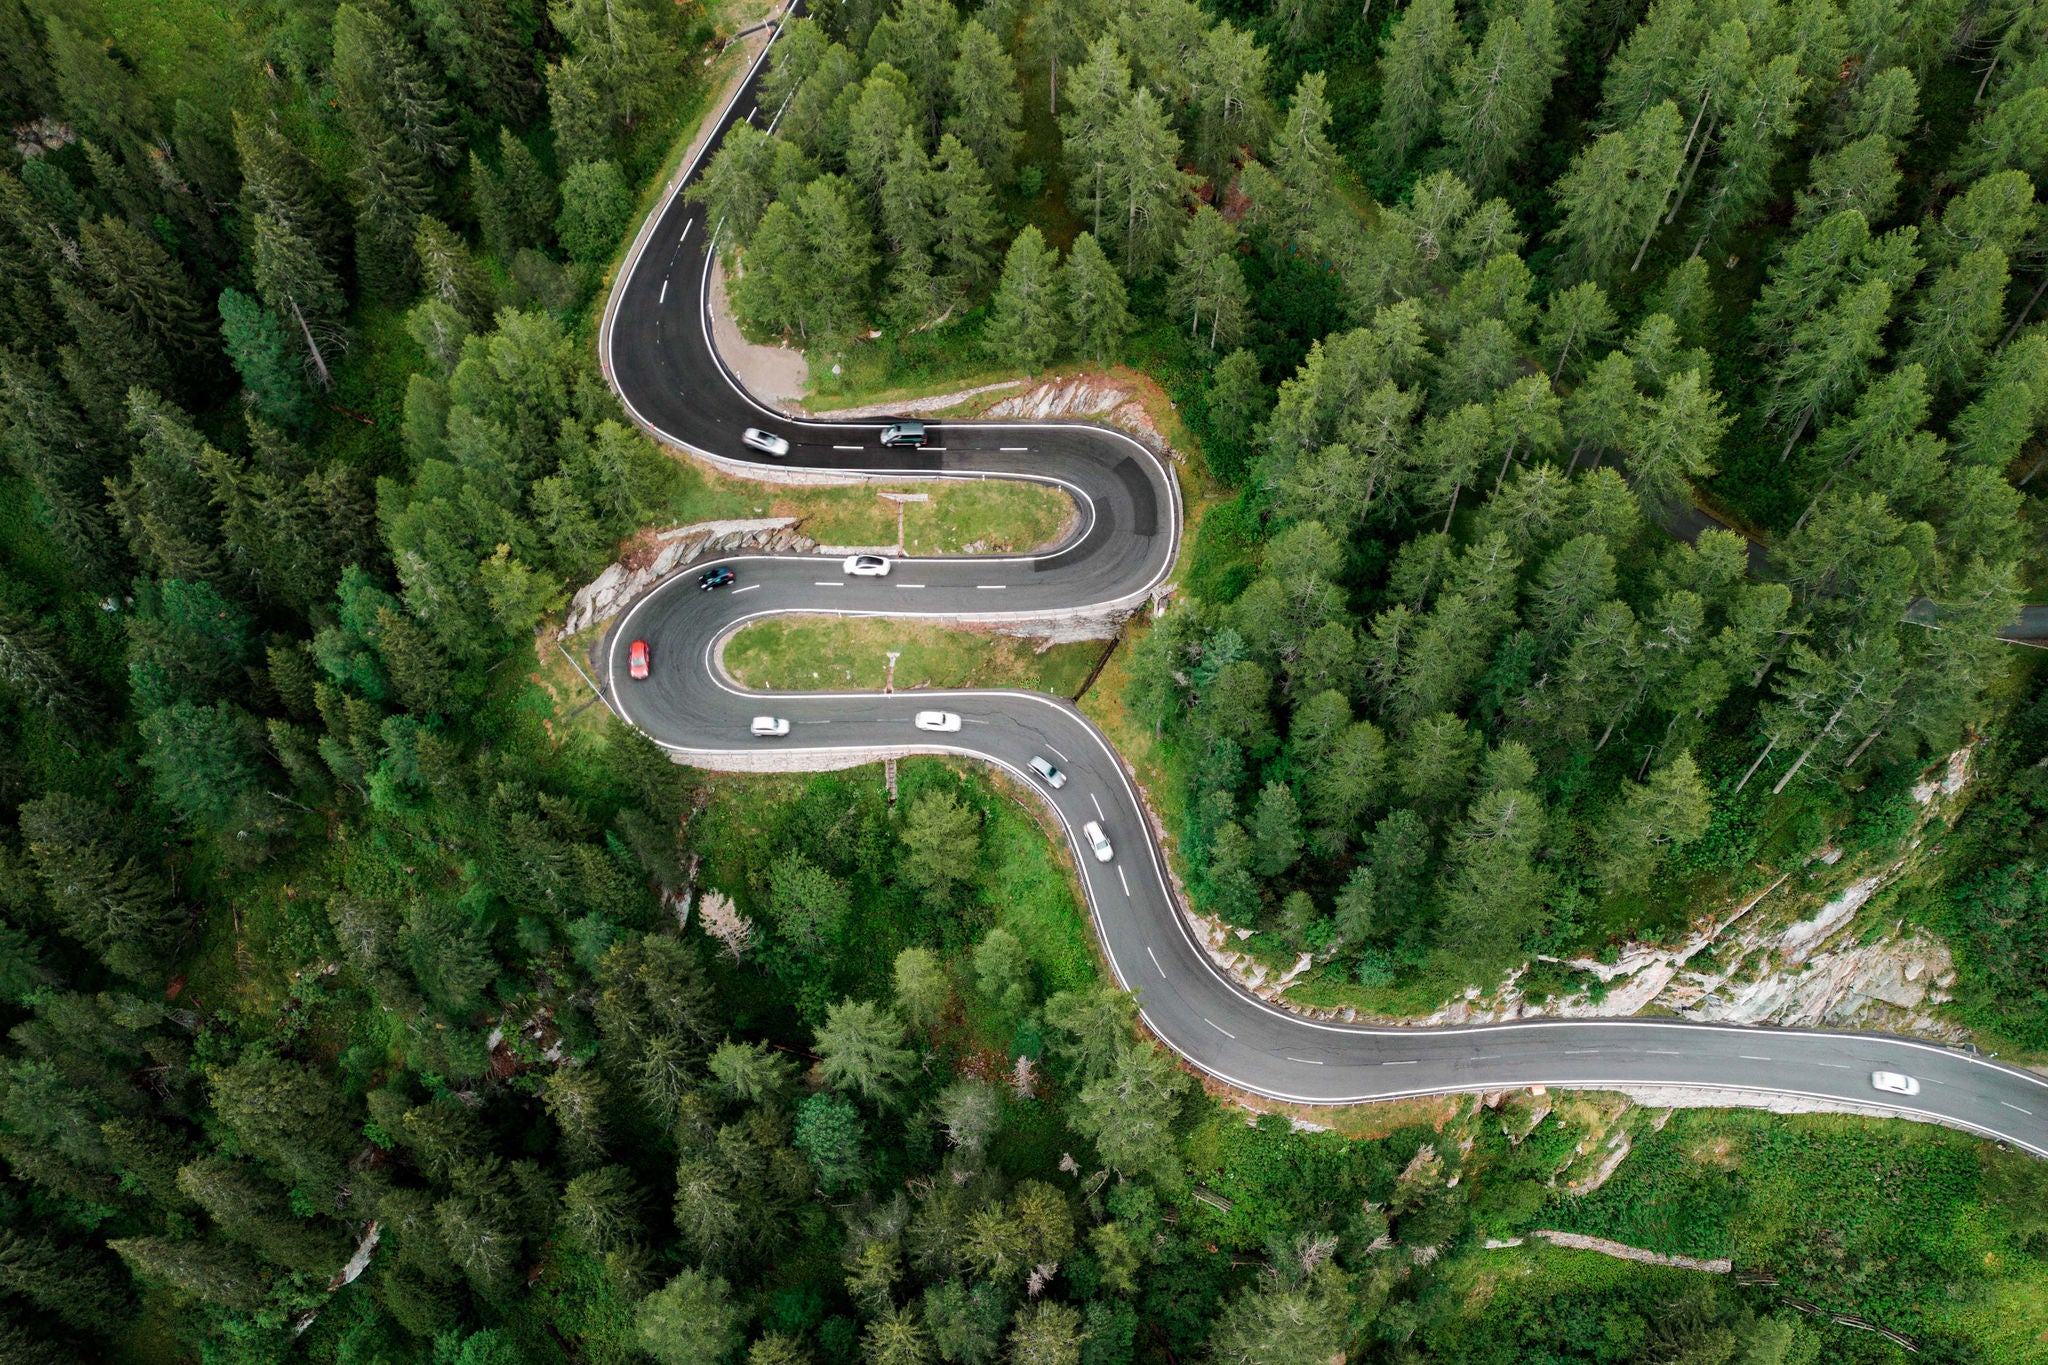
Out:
{"x": 636, "y": 660}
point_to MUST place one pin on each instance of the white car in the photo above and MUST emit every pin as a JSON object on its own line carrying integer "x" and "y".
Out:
{"x": 1098, "y": 841}
{"x": 1894, "y": 1083}
{"x": 767, "y": 442}
{"x": 867, "y": 566}
{"x": 939, "y": 722}
{"x": 1054, "y": 778}
{"x": 770, "y": 727}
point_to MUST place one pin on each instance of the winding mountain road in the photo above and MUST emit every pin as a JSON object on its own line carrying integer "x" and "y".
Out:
{"x": 657, "y": 350}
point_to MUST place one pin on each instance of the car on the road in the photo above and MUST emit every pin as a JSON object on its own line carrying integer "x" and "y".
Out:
{"x": 767, "y": 442}
{"x": 636, "y": 660}
{"x": 1893, "y": 1083}
{"x": 715, "y": 578}
{"x": 1098, "y": 841}
{"x": 867, "y": 566}
{"x": 939, "y": 722}
{"x": 1053, "y": 777}
{"x": 770, "y": 727}
{"x": 904, "y": 434}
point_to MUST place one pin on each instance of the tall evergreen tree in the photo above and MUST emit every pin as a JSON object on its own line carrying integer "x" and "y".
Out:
{"x": 1097, "y": 308}
{"x": 1025, "y": 324}
{"x": 1423, "y": 48}
{"x": 1145, "y": 190}
{"x": 1207, "y": 282}
{"x": 986, "y": 104}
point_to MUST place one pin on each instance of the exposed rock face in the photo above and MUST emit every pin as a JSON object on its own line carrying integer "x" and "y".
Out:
{"x": 913, "y": 407}
{"x": 1084, "y": 396}
{"x": 655, "y": 558}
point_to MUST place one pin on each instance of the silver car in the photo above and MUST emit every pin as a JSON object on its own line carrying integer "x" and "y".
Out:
{"x": 1893, "y": 1083}
{"x": 867, "y": 566}
{"x": 1098, "y": 841}
{"x": 767, "y": 442}
{"x": 1052, "y": 776}
{"x": 770, "y": 727}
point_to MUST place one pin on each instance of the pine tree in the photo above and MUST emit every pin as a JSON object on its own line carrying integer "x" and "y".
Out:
{"x": 578, "y": 112}
{"x": 1129, "y": 1111}
{"x": 98, "y": 95}
{"x": 624, "y": 52}
{"x": 1616, "y": 190}
{"x": 531, "y": 203}
{"x": 986, "y": 105}
{"x": 1665, "y": 813}
{"x": 1671, "y": 438}
{"x": 105, "y": 358}
{"x": 1575, "y": 322}
{"x": 861, "y": 1047}
{"x": 1498, "y": 93}
{"x": 165, "y": 505}
{"x": 383, "y": 79}
{"x": 1763, "y": 117}
{"x": 738, "y": 185}
{"x": 1207, "y": 281}
{"x": 1144, "y": 188}
{"x": 138, "y": 282}
{"x": 1297, "y": 209}
{"x": 841, "y": 256}
{"x": 53, "y": 446}
{"x": 942, "y": 838}
{"x": 597, "y": 208}
{"x": 967, "y": 224}
{"x": 1097, "y": 93}
{"x": 1955, "y": 322}
{"x": 392, "y": 192}
{"x": 1097, "y": 308}
{"x": 1863, "y": 176}
{"x": 1026, "y": 325}
{"x": 875, "y": 125}
{"x": 1423, "y": 48}
{"x": 293, "y": 279}
{"x": 255, "y": 1211}
{"x": 100, "y": 892}
{"x": 257, "y": 346}
{"x": 1231, "y": 83}
{"x": 450, "y": 274}
{"x": 2012, "y": 137}
{"x": 214, "y": 1272}
{"x": 479, "y": 44}
{"x": 1830, "y": 359}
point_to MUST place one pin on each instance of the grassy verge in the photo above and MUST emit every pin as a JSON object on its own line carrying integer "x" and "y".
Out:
{"x": 818, "y": 653}
{"x": 956, "y": 516}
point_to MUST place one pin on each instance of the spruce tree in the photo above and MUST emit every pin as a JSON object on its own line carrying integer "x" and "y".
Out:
{"x": 64, "y": 463}
{"x": 967, "y": 223}
{"x": 1026, "y": 326}
{"x": 1616, "y": 190}
{"x": 985, "y": 106}
{"x": 137, "y": 280}
{"x": 385, "y": 81}
{"x": 1207, "y": 284}
{"x": 1498, "y": 93}
{"x": 578, "y": 112}
{"x": 1097, "y": 92}
{"x": 738, "y": 185}
{"x": 450, "y": 274}
{"x": 597, "y": 208}
{"x": 1098, "y": 311}
{"x": 263, "y": 358}
{"x": 392, "y": 191}
{"x": 1145, "y": 191}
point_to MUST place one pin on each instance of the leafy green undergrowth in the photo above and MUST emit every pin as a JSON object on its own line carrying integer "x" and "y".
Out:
{"x": 1908, "y": 1225}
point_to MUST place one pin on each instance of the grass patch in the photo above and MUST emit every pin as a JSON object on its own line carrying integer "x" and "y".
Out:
{"x": 996, "y": 516}
{"x": 821, "y": 653}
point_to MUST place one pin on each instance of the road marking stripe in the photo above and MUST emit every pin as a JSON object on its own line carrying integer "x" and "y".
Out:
{"x": 1063, "y": 757}
{"x": 819, "y": 584}
{"x": 664, "y": 290}
{"x": 849, "y": 447}
{"x": 1408, "y": 1063}
{"x": 753, "y": 111}
{"x": 993, "y": 587}
{"x": 686, "y": 232}
{"x": 1219, "y": 1028}
{"x": 1125, "y": 880}
{"x": 906, "y": 587}
{"x": 1011, "y": 450}
{"x": 749, "y": 588}
{"x": 1662, "y": 1052}
{"x": 1098, "y": 807}
{"x": 1580, "y": 1051}
{"x": 2028, "y": 1112}
{"x": 1489, "y": 1057}
{"x": 1155, "y": 958}
{"x": 1751, "y": 1057}
{"x": 1305, "y": 1061}
{"x": 1838, "y": 1066}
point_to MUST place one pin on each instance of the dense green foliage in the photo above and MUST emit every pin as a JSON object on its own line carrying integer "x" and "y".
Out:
{"x": 362, "y": 1007}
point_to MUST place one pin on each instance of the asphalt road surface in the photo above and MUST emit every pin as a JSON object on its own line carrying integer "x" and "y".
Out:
{"x": 657, "y": 350}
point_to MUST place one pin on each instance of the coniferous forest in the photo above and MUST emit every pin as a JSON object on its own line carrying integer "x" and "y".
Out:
{"x": 1614, "y": 430}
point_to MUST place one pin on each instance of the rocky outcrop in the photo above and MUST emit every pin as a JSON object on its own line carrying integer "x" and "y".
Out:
{"x": 1088, "y": 395}
{"x": 917, "y": 407}
{"x": 652, "y": 558}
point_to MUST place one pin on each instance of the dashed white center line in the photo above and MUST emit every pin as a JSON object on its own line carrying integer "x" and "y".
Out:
{"x": 2016, "y": 1109}
{"x": 849, "y": 447}
{"x": 906, "y": 587}
{"x": 1836, "y": 1066}
{"x": 1013, "y": 450}
{"x": 1062, "y": 757}
{"x": 753, "y": 111}
{"x": 686, "y": 232}
{"x": 1662, "y": 1052}
{"x": 1155, "y": 958}
{"x": 1127, "y": 885}
{"x": 664, "y": 290}
{"x": 1580, "y": 1051}
{"x": 1489, "y": 1057}
{"x": 820, "y": 583}
{"x": 1407, "y": 1063}
{"x": 1305, "y": 1061}
{"x": 1098, "y": 807}
{"x": 992, "y": 587}
{"x": 749, "y": 588}
{"x": 1751, "y": 1057}
{"x": 1219, "y": 1028}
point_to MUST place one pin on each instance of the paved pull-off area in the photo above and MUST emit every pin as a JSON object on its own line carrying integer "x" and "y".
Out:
{"x": 658, "y": 351}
